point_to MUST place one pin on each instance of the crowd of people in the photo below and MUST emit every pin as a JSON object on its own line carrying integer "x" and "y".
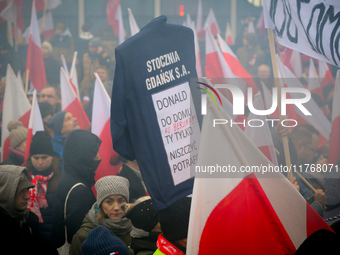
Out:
{"x": 50, "y": 201}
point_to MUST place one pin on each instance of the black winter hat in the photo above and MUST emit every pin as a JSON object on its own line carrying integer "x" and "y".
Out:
{"x": 143, "y": 215}
{"x": 101, "y": 241}
{"x": 56, "y": 122}
{"x": 174, "y": 219}
{"x": 41, "y": 144}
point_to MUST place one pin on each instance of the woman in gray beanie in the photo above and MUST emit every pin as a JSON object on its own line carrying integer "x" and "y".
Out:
{"x": 17, "y": 136}
{"x": 112, "y": 193}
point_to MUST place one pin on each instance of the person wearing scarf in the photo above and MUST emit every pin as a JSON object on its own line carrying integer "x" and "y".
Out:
{"x": 18, "y": 226}
{"x": 44, "y": 167}
{"x": 112, "y": 193}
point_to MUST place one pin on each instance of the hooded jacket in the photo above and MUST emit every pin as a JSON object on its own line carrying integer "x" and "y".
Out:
{"x": 80, "y": 149}
{"x": 18, "y": 230}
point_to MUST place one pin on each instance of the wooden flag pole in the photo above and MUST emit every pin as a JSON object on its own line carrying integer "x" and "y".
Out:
{"x": 43, "y": 18}
{"x": 26, "y": 81}
{"x": 278, "y": 86}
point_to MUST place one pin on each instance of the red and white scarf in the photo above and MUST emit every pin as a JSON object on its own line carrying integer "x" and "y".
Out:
{"x": 166, "y": 247}
{"x": 38, "y": 194}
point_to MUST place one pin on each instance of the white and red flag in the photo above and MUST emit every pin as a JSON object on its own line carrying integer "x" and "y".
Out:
{"x": 211, "y": 23}
{"x": 16, "y": 107}
{"x": 35, "y": 124}
{"x": 70, "y": 101}
{"x": 101, "y": 128}
{"x": 317, "y": 118}
{"x": 199, "y": 20}
{"x": 134, "y": 29}
{"x": 260, "y": 24}
{"x": 246, "y": 214}
{"x": 13, "y": 13}
{"x": 229, "y": 35}
{"x": 313, "y": 80}
{"x": 334, "y": 150}
{"x": 292, "y": 60}
{"x": 236, "y": 67}
{"x": 325, "y": 74}
{"x": 197, "y": 52}
{"x": 35, "y": 63}
{"x": 50, "y": 4}
{"x": 73, "y": 75}
{"x": 115, "y": 19}
{"x": 48, "y": 29}
{"x": 260, "y": 135}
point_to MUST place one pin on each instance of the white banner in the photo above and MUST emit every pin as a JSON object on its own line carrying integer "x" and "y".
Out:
{"x": 179, "y": 128}
{"x": 310, "y": 27}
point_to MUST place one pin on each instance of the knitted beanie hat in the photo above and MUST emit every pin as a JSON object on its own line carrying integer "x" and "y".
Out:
{"x": 17, "y": 133}
{"x": 174, "y": 219}
{"x": 112, "y": 185}
{"x": 143, "y": 215}
{"x": 41, "y": 144}
{"x": 56, "y": 122}
{"x": 101, "y": 241}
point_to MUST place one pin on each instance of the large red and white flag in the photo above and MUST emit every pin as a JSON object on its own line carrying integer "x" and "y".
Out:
{"x": 317, "y": 118}
{"x": 35, "y": 62}
{"x": 245, "y": 214}
{"x": 211, "y": 23}
{"x": 313, "y": 83}
{"x": 229, "y": 35}
{"x": 35, "y": 124}
{"x": 134, "y": 29}
{"x": 325, "y": 74}
{"x": 13, "y": 13}
{"x": 16, "y": 107}
{"x": 70, "y": 101}
{"x": 297, "y": 25}
{"x": 334, "y": 150}
{"x": 197, "y": 52}
{"x": 48, "y": 29}
{"x": 236, "y": 67}
{"x": 50, "y": 4}
{"x": 115, "y": 19}
{"x": 260, "y": 135}
{"x": 101, "y": 128}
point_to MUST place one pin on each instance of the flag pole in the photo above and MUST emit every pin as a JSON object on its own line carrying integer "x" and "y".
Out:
{"x": 26, "y": 80}
{"x": 278, "y": 86}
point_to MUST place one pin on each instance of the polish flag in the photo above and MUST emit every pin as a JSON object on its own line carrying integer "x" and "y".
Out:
{"x": 50, "y": 4}
{"x": 199, "y": 19}
{"x": 48, "y": 30}
{"x": 73, "y": 77}
{"x": 261, "y": 136}
{"x": 229, "y": 36}
{"x": 334, "y": 150}
{"x": 16, "y": 107}
{"x": 101, "y": 128}
{"x": 317, "y": 118}
{"x": 292, "y": 60}
{"x": 35, "y": 62}
{"x": 197, "y": 52}
{"x": 260, "y": 24}
{"x": 325, "y": 74}
{"x": 313, "y": 80}
{"x": 134, "y": 29}
{"x": 115, "y": 19}
{"x": 246, "y": 214}
{"x": 70, "y": 101}
{"x": 211, "y": 23}
{"x": 236, "y": 67}
{"x": 35, "y": 124}
{"x": 13, "y": 13}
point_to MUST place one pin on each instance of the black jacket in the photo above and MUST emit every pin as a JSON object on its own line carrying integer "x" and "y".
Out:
{"x": 12, "y": 159}
{"x": 80, "y": 149}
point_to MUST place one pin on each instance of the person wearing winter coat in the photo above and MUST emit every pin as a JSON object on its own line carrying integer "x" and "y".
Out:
{"x": 18, "y": 225}
{"x": 81, "y": 161}
{"x": 112, "y": 193}
{"x": 44, "y": 166}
